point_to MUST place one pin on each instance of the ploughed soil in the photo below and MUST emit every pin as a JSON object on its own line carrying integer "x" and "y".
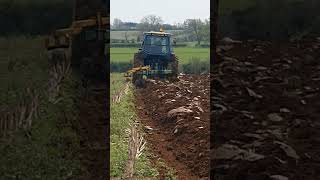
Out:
{"x": 94, "y": 132}
{"x": 175, "y": 117}
{"x": 266, "y": 111}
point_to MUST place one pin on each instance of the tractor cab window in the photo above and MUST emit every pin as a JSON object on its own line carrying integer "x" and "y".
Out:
{"x": 156, "y": 44}
{"x": 156, "y": 40}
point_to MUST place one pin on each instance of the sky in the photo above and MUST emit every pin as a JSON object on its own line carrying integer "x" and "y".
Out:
{"x": 171, "y": 11}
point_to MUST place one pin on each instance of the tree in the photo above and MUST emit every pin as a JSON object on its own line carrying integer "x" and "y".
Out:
{"x": 117, "y": 23}
{"x": 150, "y": 23}
{"x": 205, "y": 30}
{"x": 126, "y": 36}
{"x": 138, "y": 38}
{"x": 195, "y": 27}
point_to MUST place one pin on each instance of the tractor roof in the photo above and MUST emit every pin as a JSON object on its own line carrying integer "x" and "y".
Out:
{"x": 157, "y": 33}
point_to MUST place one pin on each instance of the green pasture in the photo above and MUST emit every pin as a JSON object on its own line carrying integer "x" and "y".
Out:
{"x": 184, "y": 54}
{"x": 51, "y": 145}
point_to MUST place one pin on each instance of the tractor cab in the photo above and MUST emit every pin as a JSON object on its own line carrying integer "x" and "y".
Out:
{"x": 156, "y": 43}
{"x": 156, "y": 50}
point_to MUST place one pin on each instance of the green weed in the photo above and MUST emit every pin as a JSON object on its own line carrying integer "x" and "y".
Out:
{"x": 49, "y": 149}
{"x": 122, "y": 116}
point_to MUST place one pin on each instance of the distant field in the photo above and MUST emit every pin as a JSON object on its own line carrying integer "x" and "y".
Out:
{"x": 121, "y": 35}
{"x": 133, "y": 34}
{"x": 184, "y": 54}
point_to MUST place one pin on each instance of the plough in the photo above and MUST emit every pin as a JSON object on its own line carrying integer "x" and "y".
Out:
{"x": 137, "y": 70}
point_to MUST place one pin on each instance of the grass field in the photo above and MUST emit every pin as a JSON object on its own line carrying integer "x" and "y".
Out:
{"x": 184, "y": 54}
{"x": 122, "y": 117}
{"x": 48, "y": 152}
{"x": 121, "y": 35}
{"x": 23, "y": 63}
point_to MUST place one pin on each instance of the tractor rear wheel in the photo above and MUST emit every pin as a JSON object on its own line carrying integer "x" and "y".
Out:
{"x": 137, "y": 62}
{"x": 174, "y": 63}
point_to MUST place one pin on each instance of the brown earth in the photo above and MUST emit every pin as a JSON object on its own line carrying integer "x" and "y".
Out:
{"x": 266, "y": 111}
{"x": 94, "y": 133}
{"x": 181, "y": 139}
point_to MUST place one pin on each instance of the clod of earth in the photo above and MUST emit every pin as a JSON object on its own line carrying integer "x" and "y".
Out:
{"x": 288, "y": 150}
{"x": 180, "y": 110}
{"x": 284, "y": 110}
{"x": 182, "y": 122}
{"x": 253, "y": 94}
{"x": 274, "y": 117}
{"x": 233, "y": 152}
{"x": 228, "y": 40}
{"x": 279, "y": 177}
{"x": 148, "y": 128}
{"x": 283, "y": 81}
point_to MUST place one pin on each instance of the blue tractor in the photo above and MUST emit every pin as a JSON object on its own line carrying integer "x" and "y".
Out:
{"x": 157, "y": 54}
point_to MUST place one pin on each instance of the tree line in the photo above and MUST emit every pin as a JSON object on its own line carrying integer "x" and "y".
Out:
{"x": 193, "y": 29}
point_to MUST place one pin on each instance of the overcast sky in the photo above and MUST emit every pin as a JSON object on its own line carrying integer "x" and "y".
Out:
{"x": 171, "y": 11}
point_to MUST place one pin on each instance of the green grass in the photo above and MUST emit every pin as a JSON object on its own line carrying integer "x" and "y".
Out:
{"x": 122, "y": 117}
{"x": 53, "y": 145}
{"x": 50, "y": 150}
{"x": 184, "y": 54}
{"x": 23, "y": 62}
{"x": 117, "y": 82}
{"x": 191, "y": 60}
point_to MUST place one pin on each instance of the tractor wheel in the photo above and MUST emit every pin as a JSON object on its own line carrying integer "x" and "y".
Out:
{"x": 174, "y": 63}
{"x": 137, "y": 62}
{"x": 140, "y": 83}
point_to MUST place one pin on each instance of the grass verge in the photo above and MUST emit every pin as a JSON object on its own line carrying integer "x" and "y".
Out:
{"x": 122, "y": 116}
{"x": 49, "y": 149}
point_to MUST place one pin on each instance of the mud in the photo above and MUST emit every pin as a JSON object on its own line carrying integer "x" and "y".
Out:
{"x": 266, "y": 111}
{"x": 175, "y": 117}
{"x": 94, "y": 132}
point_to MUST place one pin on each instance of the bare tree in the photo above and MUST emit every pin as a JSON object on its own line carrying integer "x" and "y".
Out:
{"x": 194, "y": 26}
{"x": 150, "y": 23}
{"x": 205, "y": 30}
{"x": 126, "y": 36}
{"x": 117, "y": 23}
